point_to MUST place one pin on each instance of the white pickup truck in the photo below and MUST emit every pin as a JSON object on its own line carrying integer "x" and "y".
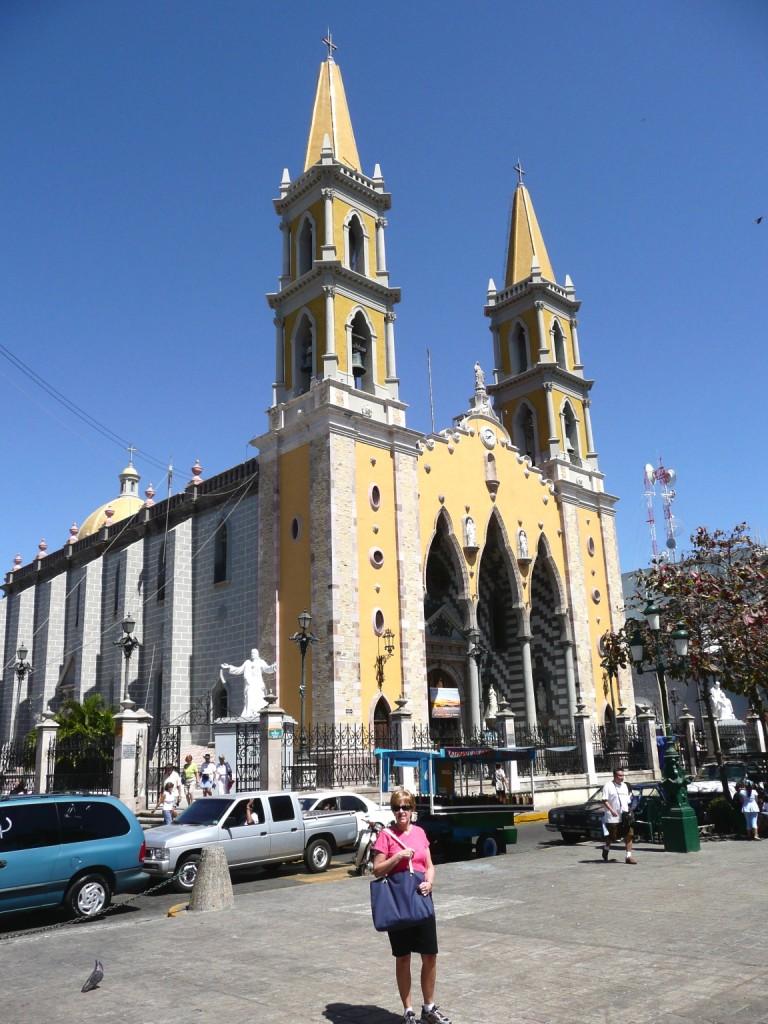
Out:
{"x": 280, "y": 832}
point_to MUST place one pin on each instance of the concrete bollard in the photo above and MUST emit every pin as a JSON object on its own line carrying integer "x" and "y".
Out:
{"x": 213, "y": 886}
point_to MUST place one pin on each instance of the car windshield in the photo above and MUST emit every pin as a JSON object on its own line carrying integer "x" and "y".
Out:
{"x": 206, "y": 811}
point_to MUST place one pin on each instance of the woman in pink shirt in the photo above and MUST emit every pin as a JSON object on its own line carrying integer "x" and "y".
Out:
{"x": 391, "y": 853}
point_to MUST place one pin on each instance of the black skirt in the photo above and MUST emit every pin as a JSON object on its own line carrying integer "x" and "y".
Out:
{"x": 422, "y": 938}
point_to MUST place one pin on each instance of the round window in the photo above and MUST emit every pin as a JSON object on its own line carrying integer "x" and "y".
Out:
{"x": 374, "y": 496}
{"x": 376, "y": 556}
{"x": 591, "y": 546}
{"x": 296, "y": 528}
{"x": 378, "y": 621}
{"x": 596, "y": 596}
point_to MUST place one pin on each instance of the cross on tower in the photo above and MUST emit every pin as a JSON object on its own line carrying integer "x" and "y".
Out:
{"x": 520, "y": 172}
{"x": 131, "y": 452}
{"x": 328, "y": 40}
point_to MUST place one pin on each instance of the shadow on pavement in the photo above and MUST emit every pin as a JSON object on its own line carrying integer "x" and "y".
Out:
{"x": 353, "y": 1013}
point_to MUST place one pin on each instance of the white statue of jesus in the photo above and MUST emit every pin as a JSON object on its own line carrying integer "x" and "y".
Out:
{"x": 252, "y": 669}
{"x": 721, "y": 705}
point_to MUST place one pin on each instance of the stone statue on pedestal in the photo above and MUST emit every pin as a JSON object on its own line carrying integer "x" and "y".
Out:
{"x": 722, "y": 708}
{"x": 251, "y": 670}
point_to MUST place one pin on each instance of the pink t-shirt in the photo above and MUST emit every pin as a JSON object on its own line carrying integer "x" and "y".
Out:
{"x": 416, "y": 839}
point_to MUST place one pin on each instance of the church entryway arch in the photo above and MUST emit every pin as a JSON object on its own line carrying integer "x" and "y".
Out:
{"x": 547, "y": 652}
{"x": 499, "y": 624}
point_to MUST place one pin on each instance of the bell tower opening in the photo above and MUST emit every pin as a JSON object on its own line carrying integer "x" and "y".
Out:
{"x": 306, "y": 248}
{"x": 362, "y": 353}
{"x": 303, "y": 355}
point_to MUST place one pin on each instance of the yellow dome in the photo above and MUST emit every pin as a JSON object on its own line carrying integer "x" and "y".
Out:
{"x": 123, "y": 507}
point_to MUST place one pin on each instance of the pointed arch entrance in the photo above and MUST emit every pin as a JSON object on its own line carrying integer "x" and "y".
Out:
{"x": 547, "y": 651}
{"x": 446, "y": 621}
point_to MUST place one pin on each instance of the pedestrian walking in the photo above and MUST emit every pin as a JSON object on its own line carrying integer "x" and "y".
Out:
{"x": 223, "y": 774}
{"x": 393, "y": 850}
{"x": 500, "y": 783}
{"x": 168, "y": 803}
{"x": 618, "y": 820}
{"x": 190, "y": 778}
{"x": 750, "y": 808}
{"x": 207, "y": 775}
{"x": 171, "y": 775}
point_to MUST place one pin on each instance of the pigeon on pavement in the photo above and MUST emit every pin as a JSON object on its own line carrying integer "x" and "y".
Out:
{"x": 93, "y": 979}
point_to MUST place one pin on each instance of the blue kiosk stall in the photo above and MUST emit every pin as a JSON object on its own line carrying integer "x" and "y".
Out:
{"x": 454, "y": 819}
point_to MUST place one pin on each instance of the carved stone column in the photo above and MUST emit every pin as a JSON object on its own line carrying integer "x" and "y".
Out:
{"x": 582, "y": 728}
{"x": 530, "y": 697}
{"x": 328, "y": 249}
{"x": 389, "y": 341}
{"x": 591, "y": 453}
{"x": 330, "y": 356}
{"x": 543, "y": 349}
{"x": 577, "y": 363}
{"x": 46, "y": 738}
{"x": 646, "y": 726}
{"x": 285, "y": 277}
{"x": 381, "y": 252}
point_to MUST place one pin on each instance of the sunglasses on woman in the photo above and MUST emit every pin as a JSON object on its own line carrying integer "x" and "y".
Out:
{"x": 403, "y": 807}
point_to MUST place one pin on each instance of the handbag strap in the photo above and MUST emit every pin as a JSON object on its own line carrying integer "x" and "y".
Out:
{"x": 401, "y": 843}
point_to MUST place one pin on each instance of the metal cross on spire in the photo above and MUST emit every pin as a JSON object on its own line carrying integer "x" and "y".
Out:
{"x": 520, "y": 172}
{"x": 131, "y": 452}
{"x": 328, "y": 40}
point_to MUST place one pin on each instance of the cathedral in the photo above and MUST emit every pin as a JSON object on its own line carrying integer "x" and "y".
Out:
{"x": 447, "y": 574}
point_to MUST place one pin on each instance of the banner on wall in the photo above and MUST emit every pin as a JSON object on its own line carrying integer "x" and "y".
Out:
{"x": 445, "y": 701}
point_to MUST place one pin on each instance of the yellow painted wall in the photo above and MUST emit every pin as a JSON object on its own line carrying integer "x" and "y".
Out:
{"x": 596, "y": 578}
{"x": 294, "y": 595}
{"x": 376, "y": 529}
{"x": 459, "y": 476}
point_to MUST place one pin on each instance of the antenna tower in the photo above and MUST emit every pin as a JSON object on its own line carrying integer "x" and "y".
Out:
{"x": 666, "y": 477}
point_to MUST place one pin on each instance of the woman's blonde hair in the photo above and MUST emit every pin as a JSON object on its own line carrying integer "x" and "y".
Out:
{"x": 401, "y": 795}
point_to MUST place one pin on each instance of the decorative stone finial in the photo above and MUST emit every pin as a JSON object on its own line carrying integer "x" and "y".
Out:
{"x": 109, "y": 512}
{"x": 491, "y": 291}
{"x": 150, "y": 495}
{"x": 17, "y": 563}
{"x": 197, "y": 469}
{"x": 42, "y": 548}
{"x": 285, "y": 181}
{"x": 74, "y": 530}
{"x": 569, "y": 285}
{"x": 326, "y": 150}
{"x": 377, "y": 175}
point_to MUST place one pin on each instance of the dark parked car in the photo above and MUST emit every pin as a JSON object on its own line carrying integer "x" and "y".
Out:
{"x": 577, "y": 822}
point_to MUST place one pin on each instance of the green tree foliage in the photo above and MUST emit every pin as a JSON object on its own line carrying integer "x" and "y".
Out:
{"x": 89, "y": 720}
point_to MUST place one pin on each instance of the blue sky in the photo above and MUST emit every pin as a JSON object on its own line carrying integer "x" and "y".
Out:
{"x": 141, "y": 145}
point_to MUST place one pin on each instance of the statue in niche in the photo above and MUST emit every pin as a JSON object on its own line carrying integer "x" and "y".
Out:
{"x": 470, "y": 532}
{"x": 722, "y": 708}
{"x": 251, "y": 670}
{"x": 522, "y": 543}
{"x": 479, "y": 378}
{"x": 491, "y": 705}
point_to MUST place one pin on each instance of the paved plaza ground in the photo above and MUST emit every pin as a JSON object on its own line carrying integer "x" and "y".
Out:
{"x": 545, "y": 935}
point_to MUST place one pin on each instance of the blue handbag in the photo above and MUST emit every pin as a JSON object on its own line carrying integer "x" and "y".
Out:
{"x": 396, "y": 901}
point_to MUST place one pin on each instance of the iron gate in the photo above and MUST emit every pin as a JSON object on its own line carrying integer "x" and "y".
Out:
{"x": 247, "y": 758}
{"x": 81, "y": 765}
{"x": 17, "y": 766}
{"x": 167, "y": 751}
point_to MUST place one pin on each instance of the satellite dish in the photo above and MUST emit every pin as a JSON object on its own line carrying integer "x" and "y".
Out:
{"x": 671, "y": 476}
{"x": 671, "y": 543}
{"x": 649, "y": 472}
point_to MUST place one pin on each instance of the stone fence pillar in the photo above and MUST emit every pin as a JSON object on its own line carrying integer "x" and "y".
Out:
{"x": 130, "y": 757}
{"x": 401, "y": 730}
{"x": 582, "y": 727}
{"x": 646, "y": 726}
{"x": 755, "y": 731}
{"x": 686, "y": 723}
{"x": 271, "y": 747}
{"x": 505, "y": 728}
{"x": 46, "y": 738}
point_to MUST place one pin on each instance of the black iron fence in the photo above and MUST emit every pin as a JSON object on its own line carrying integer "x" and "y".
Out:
{"x": 77, "y": 764}
{"x": 329, "y": 756}
{"x": 556, "y": 749}
{"x": 248, "y": 757}
{"x": 619, "y": 747}
{"x": 17, "y": 766}
{"x": 166, "y": 750}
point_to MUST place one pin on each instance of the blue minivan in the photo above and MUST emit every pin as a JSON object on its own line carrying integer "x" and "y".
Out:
{"x": 68, "y": 848}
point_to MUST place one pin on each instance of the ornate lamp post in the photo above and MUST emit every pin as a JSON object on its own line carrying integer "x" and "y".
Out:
{"x": 479, "y": 654}
{"x": 303, "y": 638}
{"x": 679, "y": 824}
{"x": 128, "y": 643}
{"x": 381, "y": 659}
{"x": 22, "y": 668}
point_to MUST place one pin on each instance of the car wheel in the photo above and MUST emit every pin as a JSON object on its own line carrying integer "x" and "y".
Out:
{"x": 186, "y": 873}
{"x": 487, "y": 846}
{"x": 317, "y": 856}
{"x": 571, "y": 838}
{"x": 89, "y": 896}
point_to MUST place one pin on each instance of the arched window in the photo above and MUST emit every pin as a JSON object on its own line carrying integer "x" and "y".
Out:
{"x": 519, "y": 349}
{"x": 571, "y": 434}
{"x": 306, "y": 247}
{"x": 356, "y": 245}
{"x": 303, "y": 355}
{"x": 221, "y": 554}
{"x": 220, "y": 701}
{"x": 381, "y": 723}
{"x": 362, "y": 353}
{"x": 161, "y": 575}
{"x": 525, "y": 432}
{"x": 558, "y": 342}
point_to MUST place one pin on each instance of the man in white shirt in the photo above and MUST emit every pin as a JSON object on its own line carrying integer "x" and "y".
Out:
{"x": 616, "y": 803}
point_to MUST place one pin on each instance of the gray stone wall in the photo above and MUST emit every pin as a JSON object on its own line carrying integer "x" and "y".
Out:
{"x": 90, "y": 653}
{"x": 177, "y": 650}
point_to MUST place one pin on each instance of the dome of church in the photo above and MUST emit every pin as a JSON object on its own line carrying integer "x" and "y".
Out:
{"x": 125, "y": 505}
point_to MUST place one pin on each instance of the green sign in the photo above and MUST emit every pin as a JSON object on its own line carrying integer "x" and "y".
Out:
{"x": 275, "y": 734}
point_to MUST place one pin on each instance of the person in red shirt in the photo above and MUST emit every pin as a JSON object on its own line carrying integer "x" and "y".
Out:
{"x": 392, "y": 852}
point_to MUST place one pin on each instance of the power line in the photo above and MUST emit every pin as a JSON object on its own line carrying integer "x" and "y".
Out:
{"x": 72, "y": 407}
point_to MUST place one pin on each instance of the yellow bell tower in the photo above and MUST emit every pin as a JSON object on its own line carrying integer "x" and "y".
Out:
{"x": 334, "y": 313}
{"x": 540, "y": 389}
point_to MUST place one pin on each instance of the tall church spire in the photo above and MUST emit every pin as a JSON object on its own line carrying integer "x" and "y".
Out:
{"x": 526, "y": 243}
{"x": 331, "y": 120}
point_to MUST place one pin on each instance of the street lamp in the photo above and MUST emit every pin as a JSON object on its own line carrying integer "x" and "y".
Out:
{"x": 381, "y": 659}
{"x": 479, "y": 654}
{"x": 303, "y": 638}
{"x": 128, "y": 644}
